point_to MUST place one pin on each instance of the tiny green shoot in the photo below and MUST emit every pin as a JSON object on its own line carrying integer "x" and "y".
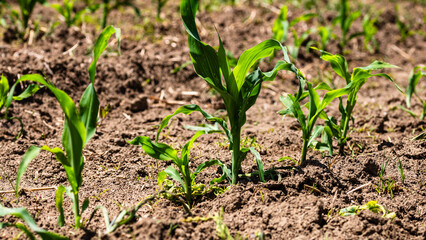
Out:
{"x": 371, "y": 205}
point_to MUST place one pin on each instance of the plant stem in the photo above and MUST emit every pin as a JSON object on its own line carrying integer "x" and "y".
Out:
{"x": 236, "y": 151}
{"x": 76, "y": 211}
{"x": 188, "y": 185}
{"x": 304, "y": 151}
{"x": 342, "y": 140}
{"x": 105, "y": 13}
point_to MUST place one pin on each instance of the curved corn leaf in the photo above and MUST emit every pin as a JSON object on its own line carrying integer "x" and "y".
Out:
{"x": 89, "y": 102}
{"x": 203, "y": 166}
{"x": 74, "y": 132}
{"x": 157, "y": 150}
{"x": 23, "y": 214}
{"x": 188, "y": 109}
{"x": 59, "y": 200}
{"x": 414, "y": 78}
{"x": 249, "y": 57}
{"x": 28, "y": 92}
{"x": 259, "y": 163}
{"x": 338, "y": 63}
{"x": 21, "y": 227}
{"x": 4, "y": 90}
{"x": 184, "y": 155}
{"x": 29, "y": 155}
{"x": 174, "y": 174}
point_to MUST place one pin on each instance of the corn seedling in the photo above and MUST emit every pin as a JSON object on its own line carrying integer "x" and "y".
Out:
{"x": 110, "y": 5}
{"x": 6, "y": 97}
{"x": 241, "y": 90}
{"x": 316, "y": 110}
{"x": 282, "y": 26}
{"x": 182, "y": 174}
{"x": 385, "y": 185}
{"x": 325, "y": 34}
{"x": 403, "y": 28}
{"x": 416, "y": 74}
{"x": 23, "y": 214}
{"x": 21, "y": 20}
{"x": 345, "y": 19}
{"x": 79, "y": 128}
{"x": 160, "y": 5}
{"x": 299, "y": 40}
{"x": 358, "y": 77}
{"x": 67, "y": 12}
{"x": 371, "y": 205}
{"x": 400, "y": 170}
{"x": 369, "y": 30}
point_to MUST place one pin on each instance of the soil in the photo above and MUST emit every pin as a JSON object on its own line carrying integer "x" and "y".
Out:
{"x": 141, "y": 89}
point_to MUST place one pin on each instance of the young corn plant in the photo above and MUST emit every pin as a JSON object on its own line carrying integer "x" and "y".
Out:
{"x": 403, "y": 28}
{"x": 416, "y": 74}
{"x": 6, "y": 97}
{"x": 345, "y": 19}
{"x": 23, "y": 214}
{"x": 325, "y": 34}
{"x": 79, "y": 127}
{"x": 315, "y": 107}
{"x": 109, "y": 5}
{"x": 238, "y": 90}
{"x": 359, "y": 76}
{"x": 22, "y": 19}
{"x": 67, "y": 12}
{"x": 298, "y": 42}
{"x": 160, "y": 5}
{"x": 182, "y": 174}
{"x": 282, "y": 26}
{"x": 369, "y": 30}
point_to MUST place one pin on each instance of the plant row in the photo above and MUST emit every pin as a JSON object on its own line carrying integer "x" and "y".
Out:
{"x": 239, "y": 89}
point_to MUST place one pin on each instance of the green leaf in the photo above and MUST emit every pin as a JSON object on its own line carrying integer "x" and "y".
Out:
{"x": 89, "y": 102}
{"x": 85, "y": 205}
{"x": 174, "y": 174}
{"x": 203, "y": 166}
{"x": 21, "y": 227}
{"x": 338, "y": 63}
{"x": 188, "y": 10}
{"x": 4, "y": 90}
{"x": 160, "y": 179}
{"x": 414, "y": 78}
{"x": 156, "y": 150}
{"x": 31, "y": 153}
{"x": 100, "y": 45}
{"x": 59, "y": 199}
{"x": 259, "y": 163}
{"x": 60, "y": 156}
{"x": 349, "y": 211}
{"x": 249, "y": 57}
{"x": 376, "y": 65}
{"x": 188, "y": 109}
{"x": 185, "y": 150}
{"x": 29, "y": 91}
{"x": 303, "y": 17}
{"x": 74, "y": 132}
{"x": 23, "y": 214}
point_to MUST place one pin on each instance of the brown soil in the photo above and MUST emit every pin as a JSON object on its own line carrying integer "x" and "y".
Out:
{"x": 139, "y": 86}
